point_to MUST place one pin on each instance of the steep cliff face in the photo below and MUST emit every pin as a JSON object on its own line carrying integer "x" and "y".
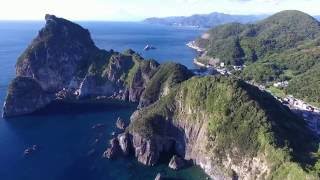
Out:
{"x": 25, "y": 96}
{"x": 60, "y": 51}
{"x": 229, "y": 128}
{"x": 63, "y": 62}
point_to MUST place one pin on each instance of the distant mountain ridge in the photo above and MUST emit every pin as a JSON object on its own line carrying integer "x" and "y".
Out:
{"x": 207, "y": 20}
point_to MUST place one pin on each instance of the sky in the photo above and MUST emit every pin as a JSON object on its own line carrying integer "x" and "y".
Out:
{"x": 135, "y": 10}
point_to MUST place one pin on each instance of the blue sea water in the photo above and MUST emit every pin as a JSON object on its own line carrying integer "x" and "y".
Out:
{"x": 65, "y": 138}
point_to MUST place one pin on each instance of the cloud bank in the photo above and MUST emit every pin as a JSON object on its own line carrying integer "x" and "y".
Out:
{"x": 127, "y": 10}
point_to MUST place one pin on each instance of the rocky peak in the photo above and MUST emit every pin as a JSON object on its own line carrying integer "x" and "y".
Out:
{"x": 66, "y": 30}
{"x": 61, "y": 51}
{"x": 50, "y": 17}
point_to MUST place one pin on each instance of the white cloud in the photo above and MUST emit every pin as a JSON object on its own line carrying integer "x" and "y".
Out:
{"x": 139, "y": 9}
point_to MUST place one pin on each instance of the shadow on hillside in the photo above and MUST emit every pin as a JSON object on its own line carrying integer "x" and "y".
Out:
{"x": 289, "y": 129}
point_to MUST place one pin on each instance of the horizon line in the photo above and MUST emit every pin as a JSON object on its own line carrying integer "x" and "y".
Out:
{"x": 142, "y": 19}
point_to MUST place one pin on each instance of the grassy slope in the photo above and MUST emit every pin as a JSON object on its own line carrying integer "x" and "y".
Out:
{"x": 168, "y": 75}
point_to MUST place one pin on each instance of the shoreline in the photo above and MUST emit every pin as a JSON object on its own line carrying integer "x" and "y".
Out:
{"x": 196, "y": 62}
{"x": 192, "y": 45}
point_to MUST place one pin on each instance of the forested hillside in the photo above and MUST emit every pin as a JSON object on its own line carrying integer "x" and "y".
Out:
{"x": 285, "y": 46}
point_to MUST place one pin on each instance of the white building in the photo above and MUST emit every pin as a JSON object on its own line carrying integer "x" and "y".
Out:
{"x": 281, "y": 84}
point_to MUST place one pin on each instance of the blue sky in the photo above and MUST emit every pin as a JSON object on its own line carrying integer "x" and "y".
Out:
{"x": 133, "y": 10}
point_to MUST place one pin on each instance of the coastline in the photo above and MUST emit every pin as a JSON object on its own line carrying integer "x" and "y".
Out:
{"x": 196, "y": 62}
{"x": 192, "y": 45}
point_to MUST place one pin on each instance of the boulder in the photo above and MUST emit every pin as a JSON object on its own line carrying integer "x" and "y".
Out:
{"x": 30, "y": 150}
{"x": 146, "y": 150}
{"x": 158, "y": 177}
{"x": 121, "y": 124}
{"x": 125, "y": 143}
{"x": 176, "y": 163}
{"x": 27, "y": 151}
{"x": 114, "y": 150}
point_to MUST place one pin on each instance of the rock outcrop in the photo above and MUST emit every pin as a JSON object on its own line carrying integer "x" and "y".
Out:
{"x": 176, "y": 163}
{"x": 125, "y": 143}
{"x": 227, "y": 127}
{"x": 121, "y": 124}
{"x": 114, "y": 150}
{"x": 60, "y": 51}
{"x": 62, "y": 63}
{"x": 158, "y": 177}
{"x": 25, "y": 95}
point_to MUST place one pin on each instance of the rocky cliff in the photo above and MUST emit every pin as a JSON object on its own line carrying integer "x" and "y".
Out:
{"x": 25, "y": 95}
{"x": 62, "y": 62}
{"x": 227, "y": 127}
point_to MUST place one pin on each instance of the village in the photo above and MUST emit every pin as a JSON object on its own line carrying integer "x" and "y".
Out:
{"x": 308, "y": 112}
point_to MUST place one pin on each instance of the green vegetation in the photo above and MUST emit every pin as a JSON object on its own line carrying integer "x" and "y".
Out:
{"x": 285, "y": 46}
{"x": 277, "y": 91}
{"x": 99, "y": 62}
{"x": 123, "y": 66}
{"x": 307, "y": 86}
{"x": 132, "y": 71}
{"x": 261, "y": 73}
{"x": 237, "y": 116}
{"x": 168, "y": 75}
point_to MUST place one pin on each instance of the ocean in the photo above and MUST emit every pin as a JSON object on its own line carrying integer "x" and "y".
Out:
{"x": 68, "y": 147}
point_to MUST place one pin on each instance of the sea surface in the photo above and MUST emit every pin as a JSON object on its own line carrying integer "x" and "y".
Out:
{"x": 68, "y": 146}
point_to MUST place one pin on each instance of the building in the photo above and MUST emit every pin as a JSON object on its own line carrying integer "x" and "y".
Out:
{"x": 238, "y": 68}
{"x": 281, "y": 84}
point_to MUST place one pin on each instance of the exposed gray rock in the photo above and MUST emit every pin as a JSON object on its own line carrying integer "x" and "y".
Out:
{"x": 25, "y": 96}
{"x": 125, "y": 143}
{"x": 58, "y": 52}
{"x": 177, "y": 163}
{"x": 114, "y": 150}
{"x": 96, "y": 86}
{"x": 121, "y": 124}
{"x": 158, "y": 177}
{"x": 30, "y": 150}
{"x": 148, "y": 151}
{"x": 186, "y": 139}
